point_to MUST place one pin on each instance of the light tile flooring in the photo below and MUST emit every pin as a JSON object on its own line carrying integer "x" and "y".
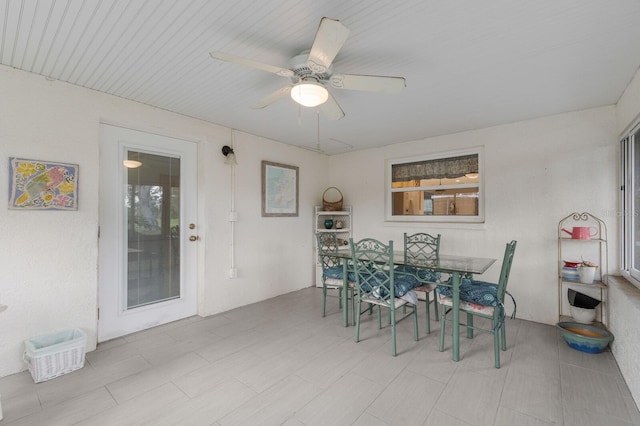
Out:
{"x": 279, "y": 362}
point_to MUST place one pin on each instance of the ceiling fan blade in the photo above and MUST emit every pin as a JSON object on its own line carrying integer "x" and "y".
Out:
{"x": 371, "y": 83}
{"x": 331, "y": 109}
{"x": 330, "y": 37}
{"x": 252, "y": 64}
{"x": 269, "y": 99}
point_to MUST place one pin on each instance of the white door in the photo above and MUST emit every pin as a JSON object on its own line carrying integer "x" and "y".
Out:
{"x": 148, "y": 231}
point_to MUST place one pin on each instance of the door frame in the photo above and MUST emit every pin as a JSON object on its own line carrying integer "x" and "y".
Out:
{"x": 111, "y": 252}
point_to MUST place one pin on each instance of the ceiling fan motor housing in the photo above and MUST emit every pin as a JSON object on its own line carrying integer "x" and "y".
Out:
{"x": 299, "y": 65}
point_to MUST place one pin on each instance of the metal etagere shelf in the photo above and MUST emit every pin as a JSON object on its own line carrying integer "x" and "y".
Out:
{"x": 341, "y": 226}
{"x": 590, "y": 245}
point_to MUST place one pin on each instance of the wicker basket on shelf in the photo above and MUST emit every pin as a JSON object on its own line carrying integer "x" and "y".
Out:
{"x": 331, "y": 206}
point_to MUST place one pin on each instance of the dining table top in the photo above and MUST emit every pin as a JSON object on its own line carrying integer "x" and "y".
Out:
{"x": 444, "y": 262}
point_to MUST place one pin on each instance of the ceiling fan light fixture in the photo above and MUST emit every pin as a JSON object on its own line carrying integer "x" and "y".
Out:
{"x": 309, "y": 93}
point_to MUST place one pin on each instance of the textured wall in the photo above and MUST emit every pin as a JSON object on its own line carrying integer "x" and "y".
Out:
{"x": 536, "y": 173}
{"x": 49, "y": 259}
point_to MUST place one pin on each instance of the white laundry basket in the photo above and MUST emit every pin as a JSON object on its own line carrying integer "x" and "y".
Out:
{"x": 53, "y": 355}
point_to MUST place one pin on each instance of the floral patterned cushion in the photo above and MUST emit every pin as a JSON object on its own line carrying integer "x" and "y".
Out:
{"x": 426, "y": 288}
{"x": 466, "y": 305}
{"x": 377, "y": 301}
{"x": 338, "y": 282}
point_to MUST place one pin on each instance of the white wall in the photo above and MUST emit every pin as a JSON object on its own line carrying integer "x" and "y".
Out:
{"x": 536, "y": 173}
{"x": 48, "y": 259}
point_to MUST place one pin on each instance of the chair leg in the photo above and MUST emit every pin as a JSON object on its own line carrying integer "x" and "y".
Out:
{"x": 443, "y": 321}
{"x": 435, "y": 307}
{"x": 358, "y": 321}
{"x": 426, "y": 303}
{"x": 392, "y": 316}
{"x": 379, "y": 318}
{"x": 353, "y": 305}
{"x": 415, "y": 322}
{"x": 503, "y": 337}
{"x": 324, "y": 300}
{"x": 469, "y": 326}
{"x": 496, "y": 342}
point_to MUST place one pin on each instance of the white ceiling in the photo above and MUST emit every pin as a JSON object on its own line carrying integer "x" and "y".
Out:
{"x": 468, "y": 64}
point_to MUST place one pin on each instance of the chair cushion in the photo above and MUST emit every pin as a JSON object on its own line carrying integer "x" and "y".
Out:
{"x": 467, "y": 306}
{"x": 375, "y": 301}
{"x": 333, "y": 272}
{"x": 337, "y": 273}
{"x": 402, "y": 283}
{"x": 425, "y": 288}
{"x": 335, "y": 282}
{"x": 418, "y": 274}
{"x": 479, "y": 292}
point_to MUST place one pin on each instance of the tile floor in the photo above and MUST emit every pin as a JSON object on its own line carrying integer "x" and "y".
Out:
{"x": 279, "y": 362}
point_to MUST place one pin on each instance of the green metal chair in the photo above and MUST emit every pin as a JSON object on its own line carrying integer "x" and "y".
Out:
{"x": 486, "y": 300}
{"x": 332, "y": 271}
{"x": 423, "y": 249}
{"x": 376, "y": 285}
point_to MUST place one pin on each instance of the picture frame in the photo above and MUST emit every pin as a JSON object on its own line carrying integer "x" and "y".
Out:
{"x": 279, "y": 190}
{"x": 42, "y": 185}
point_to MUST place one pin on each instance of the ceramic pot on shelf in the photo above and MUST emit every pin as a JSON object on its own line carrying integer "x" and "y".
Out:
{"x": 328, "y": 223}
{"x": 587, "y": 273}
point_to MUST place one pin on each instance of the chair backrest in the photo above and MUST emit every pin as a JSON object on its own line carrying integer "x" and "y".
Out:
{"x": 327, "y": 246}
{"x": 421, "y": 247}
{"x": 373, "y": 266}
{"x": 506, "y": 269}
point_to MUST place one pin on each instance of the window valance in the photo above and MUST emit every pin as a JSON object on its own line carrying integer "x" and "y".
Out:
{"x": 440, "y": 168}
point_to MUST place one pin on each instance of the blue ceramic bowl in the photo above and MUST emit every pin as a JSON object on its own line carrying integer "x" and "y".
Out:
{"x": 585, "y": 338}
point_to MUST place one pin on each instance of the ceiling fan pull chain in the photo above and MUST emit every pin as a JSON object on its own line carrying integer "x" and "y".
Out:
{"x": 318, "y": 139}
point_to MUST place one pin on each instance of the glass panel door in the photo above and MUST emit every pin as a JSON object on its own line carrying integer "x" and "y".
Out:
{"x": 152, "y": 203}
{"x": 148, "y": 263}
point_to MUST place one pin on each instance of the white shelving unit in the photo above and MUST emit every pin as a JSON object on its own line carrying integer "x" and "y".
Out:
{"x": 342, "y": 227}
{"x": 593, "y": 249}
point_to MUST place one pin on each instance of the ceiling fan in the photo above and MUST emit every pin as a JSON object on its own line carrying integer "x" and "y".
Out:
{"x": 311, "y": 71}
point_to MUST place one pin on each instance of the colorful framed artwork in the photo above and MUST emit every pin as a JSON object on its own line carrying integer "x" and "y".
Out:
{"x": 279, "y": 190}
{"x": 42, "y": 185}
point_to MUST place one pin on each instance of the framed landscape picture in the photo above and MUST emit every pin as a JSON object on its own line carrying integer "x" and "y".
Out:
{"x": 279, "y": 190}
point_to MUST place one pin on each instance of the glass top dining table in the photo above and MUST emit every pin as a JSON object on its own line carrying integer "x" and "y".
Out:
{"x": 456, "y": 266}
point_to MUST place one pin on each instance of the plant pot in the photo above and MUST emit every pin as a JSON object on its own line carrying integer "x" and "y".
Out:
{"x": 582, "y": 315}
{"x": 585, "y": 338}
{"x": 587, "y": 274}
